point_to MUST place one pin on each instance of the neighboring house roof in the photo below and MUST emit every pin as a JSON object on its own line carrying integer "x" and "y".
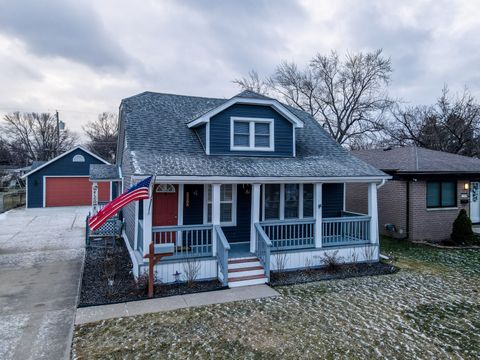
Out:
{"x": 158, "y": 141}
{"x": 41, "y": 166}
{"x": 417, "y": 160}
{"x": 36, "y": 164}
{"x": 99, "y": 172}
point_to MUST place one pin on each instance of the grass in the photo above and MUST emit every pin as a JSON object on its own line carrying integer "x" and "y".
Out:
{"x": 429, "y": 309}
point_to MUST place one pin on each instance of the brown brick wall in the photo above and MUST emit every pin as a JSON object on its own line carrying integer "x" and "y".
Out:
{"x": 425, "y": 224}
{"x": 431, "y": 224}
{"x": 391, "y": 204}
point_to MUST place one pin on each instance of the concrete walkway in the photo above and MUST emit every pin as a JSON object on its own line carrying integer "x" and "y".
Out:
{"x": 103, "y": 312}
{"x": 41, "y": 258}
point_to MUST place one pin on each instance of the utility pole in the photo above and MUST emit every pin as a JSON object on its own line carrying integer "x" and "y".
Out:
{"x": 58, "y": 133}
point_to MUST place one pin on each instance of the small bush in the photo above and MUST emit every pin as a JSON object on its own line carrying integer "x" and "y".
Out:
{"x": 462, "y": 232}
{"x": 191, "y": 270}
{"x": 332, "y": 261}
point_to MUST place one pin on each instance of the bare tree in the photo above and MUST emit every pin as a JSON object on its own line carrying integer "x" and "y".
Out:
{"x": 34, "y": 136}
{"x": 451, "y": 125}
{"x": 102, "y": 134}
{"x": 347, "y": 97}
{"x": 252, "y": 82}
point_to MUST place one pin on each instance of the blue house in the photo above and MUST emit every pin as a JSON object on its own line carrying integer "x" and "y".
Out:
{"x": 243, "y": 186}
{"x": 64, "y": 180}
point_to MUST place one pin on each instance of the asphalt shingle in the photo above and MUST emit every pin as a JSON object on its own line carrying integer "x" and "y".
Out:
{"x": 159, "y": 141}
{"x": 104, "y": 172}
{"x": 412, "y": 159}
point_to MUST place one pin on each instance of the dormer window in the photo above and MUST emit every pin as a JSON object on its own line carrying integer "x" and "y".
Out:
{"x": 251, "y": 134}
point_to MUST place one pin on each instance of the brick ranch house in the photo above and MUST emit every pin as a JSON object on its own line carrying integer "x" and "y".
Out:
{"x": 238, "y": 181}
{"x": 427, "y": 190}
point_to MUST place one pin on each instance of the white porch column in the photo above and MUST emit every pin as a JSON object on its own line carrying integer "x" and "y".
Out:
{"x": 255, "y": 210}
{"x": 318, "y": 215}
{"x": 373, "y": 212}
{"x": 215, "y": 214}
{"x": 147, "y": 224}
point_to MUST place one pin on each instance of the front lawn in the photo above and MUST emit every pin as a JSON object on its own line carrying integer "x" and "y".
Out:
{"x": 429, "y": 309}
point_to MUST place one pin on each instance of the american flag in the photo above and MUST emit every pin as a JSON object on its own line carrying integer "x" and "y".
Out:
{"x": 136, "y": 192}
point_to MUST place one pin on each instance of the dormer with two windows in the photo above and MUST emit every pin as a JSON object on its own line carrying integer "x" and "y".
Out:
{"x": 248, "y": 127}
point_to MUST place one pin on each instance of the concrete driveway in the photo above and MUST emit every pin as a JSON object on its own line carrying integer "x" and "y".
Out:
{"x": 41, "y": 257}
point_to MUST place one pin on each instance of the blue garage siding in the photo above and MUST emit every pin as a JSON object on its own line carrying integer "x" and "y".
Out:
{"x": 220, "y": 131}
{"x": 332, "y": 200}
{"x": 61, "y": 167}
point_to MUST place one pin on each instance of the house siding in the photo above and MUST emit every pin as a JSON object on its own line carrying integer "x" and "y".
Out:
{"x": 128, "y": 213}
{"x": 61, "y": 167}
{"x": 332, "y": 200}
{"x": 220, "y": 131}
{"x": 241, "y": 232}
{"x": 431, "y": 224}
{"x": 425, "y": 224}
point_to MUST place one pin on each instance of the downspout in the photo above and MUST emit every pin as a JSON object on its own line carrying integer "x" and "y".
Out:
{"x": 407, "y": 218}
{"x": 381, "y": 183}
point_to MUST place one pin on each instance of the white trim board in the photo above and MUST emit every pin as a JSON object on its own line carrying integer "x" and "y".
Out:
{"x": 79, "y": 147}
{"x": 234, "y": 206}
{"x": 251, "y": 121}
{"x": 255, "y": 180}
{"x": 239, "y": 100}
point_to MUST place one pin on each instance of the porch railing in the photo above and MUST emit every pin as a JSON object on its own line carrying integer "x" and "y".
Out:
{"x": 290, "y": 234}
{"x": 222, "y": 253}
{"x": 346, "y": 230}
{"x": 189, "y": 240}
{"x": 263, "y": 246}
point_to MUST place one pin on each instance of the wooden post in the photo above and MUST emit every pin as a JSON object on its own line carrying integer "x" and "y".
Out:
{"x": 373, "y": 212}
{"x": 215, "y": 214}
{"x": 152, "y": 260}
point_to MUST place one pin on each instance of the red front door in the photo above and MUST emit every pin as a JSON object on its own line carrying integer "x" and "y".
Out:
{"x": 165, "y": 212}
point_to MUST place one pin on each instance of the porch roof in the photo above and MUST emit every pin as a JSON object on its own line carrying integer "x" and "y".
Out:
{"x": 99, "y": 172}
{"x": 159, "y": 141}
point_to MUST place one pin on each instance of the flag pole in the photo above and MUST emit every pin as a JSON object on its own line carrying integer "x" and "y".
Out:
{"x": 152, "y": 185}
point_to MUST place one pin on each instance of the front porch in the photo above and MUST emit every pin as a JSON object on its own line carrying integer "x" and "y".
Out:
{"x": 242, "y": 224}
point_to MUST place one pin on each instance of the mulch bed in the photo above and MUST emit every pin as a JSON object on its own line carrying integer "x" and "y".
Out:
{"x": 340, "y": 272}
{"x": 116, "y": 262}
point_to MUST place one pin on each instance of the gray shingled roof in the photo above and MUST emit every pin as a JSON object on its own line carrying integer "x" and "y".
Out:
{"x": 159, "y": 141}
{"x": 104, "y": 172}
{"x": 36, "y": 164}
{"x": 414, "y": 159}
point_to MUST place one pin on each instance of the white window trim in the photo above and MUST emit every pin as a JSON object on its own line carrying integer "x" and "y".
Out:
{"x": 234, "y": 206}
{"x": 282, "y": 203}
{"x": 252, "y": 122}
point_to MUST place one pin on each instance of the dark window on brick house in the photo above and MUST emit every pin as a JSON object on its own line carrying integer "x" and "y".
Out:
{"x": 441, "y": 194}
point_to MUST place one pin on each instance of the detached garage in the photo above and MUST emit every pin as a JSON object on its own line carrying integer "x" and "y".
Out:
{"x": 64, "y": 181}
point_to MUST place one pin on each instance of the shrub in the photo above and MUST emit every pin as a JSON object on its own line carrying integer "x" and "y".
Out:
{"x": 332, "y": 261}
{"x": 191, "y": 270}
{"x": 462, "y": 232}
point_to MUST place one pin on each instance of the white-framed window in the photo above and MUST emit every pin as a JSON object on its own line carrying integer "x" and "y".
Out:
{"x": 78, "y": 158}
{"x": 251, "y": 134}
{"x": 287, "y": 201}
{"x": 228, "y": 204}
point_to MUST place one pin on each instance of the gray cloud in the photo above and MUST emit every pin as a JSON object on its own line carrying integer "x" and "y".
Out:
{"x": 62, "y": 28}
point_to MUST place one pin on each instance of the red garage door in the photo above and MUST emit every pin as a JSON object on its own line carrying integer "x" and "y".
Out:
{"x": 73, "y": 191}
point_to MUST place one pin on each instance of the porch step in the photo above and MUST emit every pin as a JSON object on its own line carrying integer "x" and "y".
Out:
{"x": 246, "y": 280}
{"x": 242, "y": 260}
{"x": 245, "y": 271}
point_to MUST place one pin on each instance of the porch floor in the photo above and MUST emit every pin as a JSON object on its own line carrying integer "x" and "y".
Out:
{"x": 239, "y": 250}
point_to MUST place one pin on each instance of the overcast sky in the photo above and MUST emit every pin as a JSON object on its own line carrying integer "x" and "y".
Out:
{"x": 83, "y": 57}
